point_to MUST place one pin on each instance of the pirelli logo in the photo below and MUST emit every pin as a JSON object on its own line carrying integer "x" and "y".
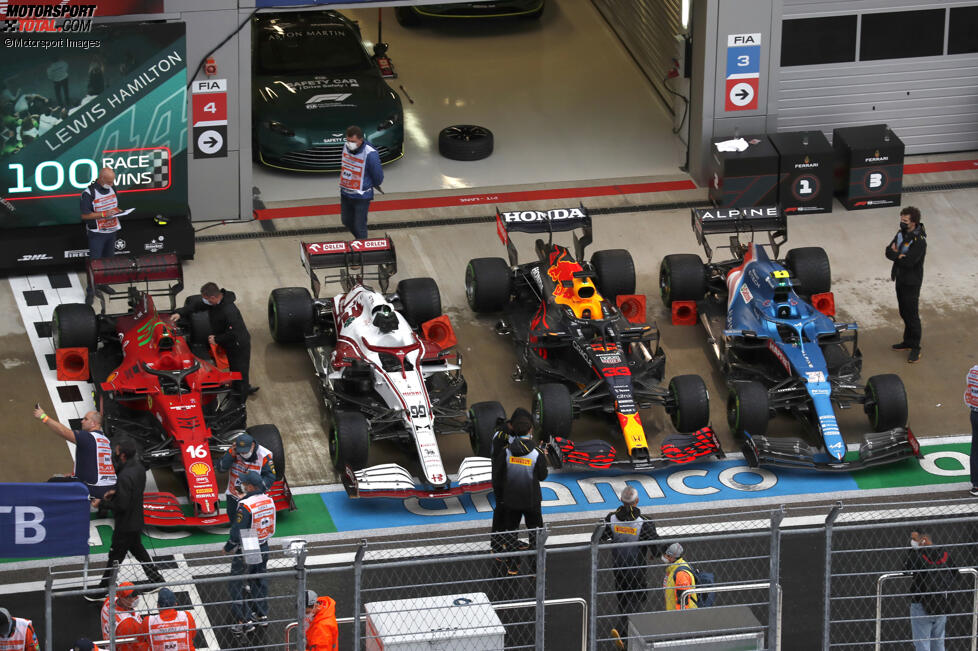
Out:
{"x": 521, "y": 461}
{"x": 628, "y": 531}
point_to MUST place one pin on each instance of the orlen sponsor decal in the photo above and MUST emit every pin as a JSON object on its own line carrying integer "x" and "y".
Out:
{"x": 540, "y": 216}
{"x": 318, "y": 248}
{"x": 773, "y": 347}
{"x": 375, "y": 244}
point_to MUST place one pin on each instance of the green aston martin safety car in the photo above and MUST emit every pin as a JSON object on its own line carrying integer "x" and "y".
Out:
{"x": 312, "y": 78}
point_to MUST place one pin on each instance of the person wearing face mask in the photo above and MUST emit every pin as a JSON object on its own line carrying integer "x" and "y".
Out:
{"x": 228, "y": 330}
{"x": 99, "y": 207}
{"x": 931, "y": 597}
{"x": 93, "y": 452}
{"x": 907, "y": 250}
{"x": 360, "y": 173}
{"x": 244, "y": 456}
{"x": 626, "y": 525}
{"x": 679, "y": 578}
{"x": 126, "y": 503}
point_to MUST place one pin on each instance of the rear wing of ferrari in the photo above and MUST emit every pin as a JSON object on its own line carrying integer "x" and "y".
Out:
{"x": 160, "y": 274}
{"x": 550, "y": 221}
{"x": 740, "y": 221}
{"x": 355, "y": 260}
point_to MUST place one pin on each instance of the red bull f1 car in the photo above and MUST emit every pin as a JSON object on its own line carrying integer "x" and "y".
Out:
{"x": 387, "y": 369}
{"x": 574, "y": 343}
{"x": 168, "y": 391}
{"x": 770, "y": 323}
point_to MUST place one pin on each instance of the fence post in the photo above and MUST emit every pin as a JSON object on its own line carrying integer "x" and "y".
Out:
{"x": 357, "y": 576}
{"x": 827, "y": 586}
{"x": 300, "y": 577}
{"x": 593, "y": 612}
{"x": 113, "y": 586}
{"x": 774, "y": 607}
{"x": 48, "y": 613}
{"x": 541, "y": 583}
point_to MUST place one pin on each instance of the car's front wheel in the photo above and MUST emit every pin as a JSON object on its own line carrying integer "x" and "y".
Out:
{"x": 886, "y": 402}
{"x": 349, "y": 440}
{"x": 747, "y": 408}
{"x": 483, "y": 417}
{"x": 75, "y": 325}
{"x": 682, "y": 277}
{"x": 616, "y": 272}
{"x": 691, "y": 402}
{"x": 420, "y": 300}
{"x": 553, "y": 411}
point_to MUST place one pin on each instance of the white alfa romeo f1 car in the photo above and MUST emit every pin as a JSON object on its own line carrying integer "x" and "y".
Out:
{"x": 387, "y": 369}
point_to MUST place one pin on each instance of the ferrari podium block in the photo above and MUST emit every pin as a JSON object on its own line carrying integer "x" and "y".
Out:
{"x": 742, "y": 179}
{"x": 868, "y": 166}
{"x": 456, "y": 621}
{"x": 805, "y": 172}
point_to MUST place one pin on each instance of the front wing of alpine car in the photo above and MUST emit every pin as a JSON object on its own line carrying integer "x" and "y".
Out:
{"x": 876, "y": 449}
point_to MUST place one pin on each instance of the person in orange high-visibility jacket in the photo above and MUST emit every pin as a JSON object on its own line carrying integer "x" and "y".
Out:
{"x": 679, "y": 578}
{"x": 169, "y": 629}
{"x": 322, "y": 632}
{"x": 128, "y": 623}
{"x": 16, "y": 633}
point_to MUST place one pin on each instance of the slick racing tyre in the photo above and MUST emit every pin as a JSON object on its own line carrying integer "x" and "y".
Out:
{"x": 747, "y": 408}
{"x": 886, "y": 402}
{"x": 483, "y": 417}
{"x": 553, "y": 411}
{"x": 465, "y": 142}
{"x": 74, "y": 325}
{"x": 269, "y": 438}
{"x": 810, "y": 267}
{"x": 349, "y": 440}
{"x": 200, "y": 328}
{"x": 682, "y": 277}
{"x": 616, "y": 273}
{"x": 407, "y": 16}
{"x": 488, "y": 284}
{"x": 420, "y": 300}
{"x": 290, "y": 314}
{"x": 691, "y": 402}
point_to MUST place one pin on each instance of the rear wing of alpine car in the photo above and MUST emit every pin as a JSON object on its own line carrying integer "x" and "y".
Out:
{"x": 356, "y": 260}
{"x": 160, "y": 273}
{"x": 545, "y": 221}
{"x": 738, "y": 221}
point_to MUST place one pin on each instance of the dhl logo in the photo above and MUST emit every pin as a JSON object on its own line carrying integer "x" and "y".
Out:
{"x": 521, "y": 461}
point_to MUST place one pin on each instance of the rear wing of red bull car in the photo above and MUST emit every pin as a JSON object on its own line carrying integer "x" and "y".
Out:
{"x": 545, "y": 221}
{"x": 356, "y": 260}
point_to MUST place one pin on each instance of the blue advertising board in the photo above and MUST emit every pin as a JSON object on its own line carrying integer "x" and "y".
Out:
{"x": 40, "y": 520}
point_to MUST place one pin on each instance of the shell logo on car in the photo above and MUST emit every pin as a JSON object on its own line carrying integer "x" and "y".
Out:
{"x": 199, "y": 469}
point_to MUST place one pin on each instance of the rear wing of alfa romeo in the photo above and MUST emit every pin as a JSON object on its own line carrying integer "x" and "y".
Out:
{"x": 545, "y": 221}
{"x": 355, "y": 260}
{"x": 740, "y": 221}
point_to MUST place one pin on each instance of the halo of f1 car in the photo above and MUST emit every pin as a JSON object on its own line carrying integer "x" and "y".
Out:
{"x": 168, "y": 391}
{"x": 387, "y": 370}
{"x": 575, "y": 344}
{"x": 778, "y": 352}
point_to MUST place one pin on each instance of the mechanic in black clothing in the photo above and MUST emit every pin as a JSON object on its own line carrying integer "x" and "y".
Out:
{"x": 126, "y": 503}
{"x": 228, "y": 331}
{"x": 517, "y": 473}
{"x": 907, "y": 250}
{"x": 519, "y": 424}
{"x": 626, "y": 524}
{"x": 931, "y": 597}
{"x": 93, "y": 452}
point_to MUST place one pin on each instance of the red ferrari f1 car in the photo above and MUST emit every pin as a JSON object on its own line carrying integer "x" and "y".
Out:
{"x": 165, "y": 389}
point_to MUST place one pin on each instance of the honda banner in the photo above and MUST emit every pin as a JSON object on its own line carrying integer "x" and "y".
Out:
{"x": 41, "y": 520}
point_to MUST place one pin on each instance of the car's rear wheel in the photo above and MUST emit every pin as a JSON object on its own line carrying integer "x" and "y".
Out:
{"x": 811, "y": 269}
{"x": 886, "y": 402}
{"x": 488, "y": 284}
{"x": 270, "y": 438}
{"x": 74, "y": 325}
{"x": 691, "y": 402}
{"x": 349, "y": 440}
{"x": 290, "y": 314}
{"x": 747, "y": 408}
{"x": 200, "y": 327}
{"x": 420, "y": 300}
{"x": 483, "y": 417}
{"x": 682, "y": 277}
{"x": 616, "y": 272}
{"x": 407, "y": 16}
{"x": 553, "y": 411}
{"x": 465, "y": 142}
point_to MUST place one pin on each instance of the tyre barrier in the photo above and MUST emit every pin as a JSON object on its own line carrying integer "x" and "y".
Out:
{"x": 439, "y": 331}
{"x": 72, "y": 364}
{"x": 684, "y": 313}
{"x": 824, "y": 303}
{"x": 632, "y": 307}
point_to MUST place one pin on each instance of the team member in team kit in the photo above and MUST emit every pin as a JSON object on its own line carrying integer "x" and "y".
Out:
{"x": 518, "y": 473}
{"x": 519, "y": 424}
{"x": 16, "y": 633}
{"x": 256, "y": 516}
{"x": 361, "y": 172}
{"x": 93, "y": 452}
{"x": 169, "y": 629}
{"x": 907, "y": 250}
{"x": 128, "y": 623}
{"x": 245, "y": 456}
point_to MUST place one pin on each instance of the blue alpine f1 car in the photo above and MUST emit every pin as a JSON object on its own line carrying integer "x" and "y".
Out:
{"x": 770, "y": 323}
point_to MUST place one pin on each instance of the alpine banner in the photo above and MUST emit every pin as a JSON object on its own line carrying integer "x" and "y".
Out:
{"x": 43, "y": 520}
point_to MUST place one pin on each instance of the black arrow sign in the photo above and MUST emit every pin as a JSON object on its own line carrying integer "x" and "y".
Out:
{"x": 743, "y": 94}
{"x": 211, "y": 141}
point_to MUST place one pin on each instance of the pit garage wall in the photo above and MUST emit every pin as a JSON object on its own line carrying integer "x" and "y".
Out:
{"x": 648, "y": 29}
